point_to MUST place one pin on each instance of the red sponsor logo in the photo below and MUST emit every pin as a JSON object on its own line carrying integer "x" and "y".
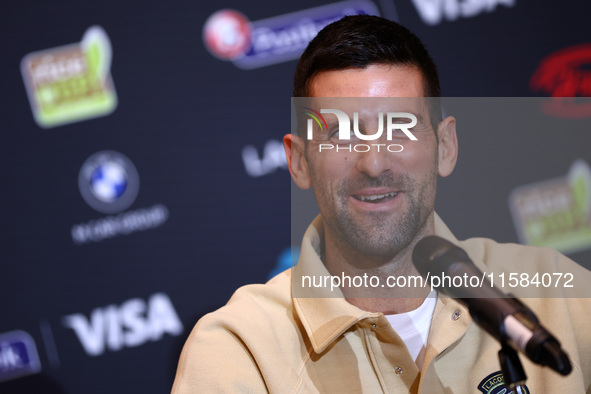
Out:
{"x": 566, "y": 74}
{"x": 227, "y": 34}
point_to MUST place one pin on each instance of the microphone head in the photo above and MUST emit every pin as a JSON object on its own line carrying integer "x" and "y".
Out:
{"x": 431, "y": 249}
{"x": 556, "y": 358}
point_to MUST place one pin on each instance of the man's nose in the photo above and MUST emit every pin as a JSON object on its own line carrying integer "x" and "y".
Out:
{"x": 375, "y": 161}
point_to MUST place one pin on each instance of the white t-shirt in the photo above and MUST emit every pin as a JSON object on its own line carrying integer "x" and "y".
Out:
{"x": 413, "y": 327}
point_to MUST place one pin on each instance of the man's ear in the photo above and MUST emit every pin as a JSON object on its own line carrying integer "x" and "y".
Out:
{"x": 448, "y": 146}
{"x": 296, "y": 159}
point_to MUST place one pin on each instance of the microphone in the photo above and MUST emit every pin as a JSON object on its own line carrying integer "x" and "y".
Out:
{"x": 506, "y": 319}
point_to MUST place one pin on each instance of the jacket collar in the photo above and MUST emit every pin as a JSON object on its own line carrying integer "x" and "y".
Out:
{"x": 324, "y": 312}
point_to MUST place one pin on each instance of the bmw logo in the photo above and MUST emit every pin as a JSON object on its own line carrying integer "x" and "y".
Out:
{"x": 108, "y": 182}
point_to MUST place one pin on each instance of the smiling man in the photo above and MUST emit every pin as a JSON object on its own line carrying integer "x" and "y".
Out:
{"x": 375, "y": 205}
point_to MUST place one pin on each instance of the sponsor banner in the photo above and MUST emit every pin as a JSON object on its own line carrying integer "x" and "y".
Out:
{"x": 109, "y": 183}
{"x": 433, "y": 12}
{"x": 18, "y": 355}
{"x": 272, "y": 158}
{"x": 122, "y": 224}
{"x": 133, "y": 323}
{"x": 287, "y": 258}
{"x": 229, "y": 35}
{"x": 555, "y": 212}
{"x": 71, "y": 83}
{"x": 567, "y": 74}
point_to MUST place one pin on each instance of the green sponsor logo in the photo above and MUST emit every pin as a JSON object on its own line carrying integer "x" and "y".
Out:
{"x": 71, "y": 83}
{"x": 556, "y": 212}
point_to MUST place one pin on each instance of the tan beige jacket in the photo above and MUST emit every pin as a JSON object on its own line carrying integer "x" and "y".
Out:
{"x": 264, "y": 340}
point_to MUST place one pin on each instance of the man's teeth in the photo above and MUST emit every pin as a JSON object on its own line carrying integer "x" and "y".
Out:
{"x": 376, "y": 196}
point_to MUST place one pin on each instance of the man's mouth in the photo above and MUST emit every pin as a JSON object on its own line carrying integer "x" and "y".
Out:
{"x": 376, "y": 198}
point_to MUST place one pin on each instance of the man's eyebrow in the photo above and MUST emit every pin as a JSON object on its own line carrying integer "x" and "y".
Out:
{"x": 417, "y": 114}
{"x": 332, "y": 121}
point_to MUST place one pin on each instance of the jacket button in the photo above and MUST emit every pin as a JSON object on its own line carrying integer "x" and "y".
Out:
{"x": 456, "y": 315}
{"x": 398, "y": 370}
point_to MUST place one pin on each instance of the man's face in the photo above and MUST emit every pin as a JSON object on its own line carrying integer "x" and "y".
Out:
{"x": 375, "y": 202}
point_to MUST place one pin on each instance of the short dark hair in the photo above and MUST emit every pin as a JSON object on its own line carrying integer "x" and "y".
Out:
{"x": 359, "y": 41}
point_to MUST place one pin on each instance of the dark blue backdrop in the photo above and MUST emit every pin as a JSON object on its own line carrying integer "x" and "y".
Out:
{"x": 109, "y": 310}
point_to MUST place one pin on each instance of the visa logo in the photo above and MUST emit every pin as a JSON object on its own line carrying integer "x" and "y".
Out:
{"x": 130, "y": 324}
{"x": 432, "y": 12}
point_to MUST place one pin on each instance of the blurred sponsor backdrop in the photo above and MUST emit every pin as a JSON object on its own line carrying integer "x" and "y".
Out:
{"x": 144, "y": 180}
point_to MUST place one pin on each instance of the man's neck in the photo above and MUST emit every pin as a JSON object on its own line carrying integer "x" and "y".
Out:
{"x": 388, "y": 284}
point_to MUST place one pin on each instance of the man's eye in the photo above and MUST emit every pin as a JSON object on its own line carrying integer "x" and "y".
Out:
{"x": 400, "y": 121}
{"x": 335, "y": 133}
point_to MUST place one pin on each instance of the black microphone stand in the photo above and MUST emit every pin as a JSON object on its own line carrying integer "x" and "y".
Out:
{"x": 513, "y": 373}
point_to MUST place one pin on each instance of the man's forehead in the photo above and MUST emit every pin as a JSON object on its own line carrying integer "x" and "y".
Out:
{"x": 376, "y": 80}
{"x": 368, "y": 107}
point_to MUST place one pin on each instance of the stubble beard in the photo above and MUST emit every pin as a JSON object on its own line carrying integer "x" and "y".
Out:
{"x": 381, "y": 234}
